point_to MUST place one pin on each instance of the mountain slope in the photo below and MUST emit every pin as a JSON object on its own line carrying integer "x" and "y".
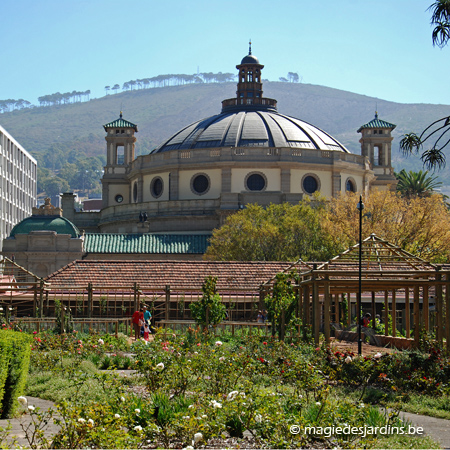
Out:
{"x": 160, "y": 112}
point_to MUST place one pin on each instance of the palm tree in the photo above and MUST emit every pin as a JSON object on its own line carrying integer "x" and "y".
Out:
{"x": 416, "y": 184}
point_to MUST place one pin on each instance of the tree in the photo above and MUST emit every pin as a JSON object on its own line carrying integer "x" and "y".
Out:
{"x": 54, "y": 186}
{"x": 419, "y": 225}
{"x": 437, "y": 134}
{"x": 209, "y": 310}
{"x": 411, "y": 184}
{"x": 281, "y": 304}
{"x": 282, "y": 232}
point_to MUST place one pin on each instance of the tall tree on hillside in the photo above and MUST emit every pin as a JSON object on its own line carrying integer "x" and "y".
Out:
{"x": 107, "y": 88}
{"x": 293, "y": 77}
{"x": 115, "y": 88}
{"x": 438, "y": 133}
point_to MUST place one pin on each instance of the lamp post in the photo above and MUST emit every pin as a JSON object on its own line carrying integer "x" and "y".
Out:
{"x": 359, "y": 303}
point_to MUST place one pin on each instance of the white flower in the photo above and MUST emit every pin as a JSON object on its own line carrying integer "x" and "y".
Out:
{"x": 186, "y": 417}
{"x": 377, "y": 355}
{"x": 122, "y": 399}
{"x": 22, "y": 400}
{"x": 81, "y": 420}
{"x": 195, "y": 353}
{"x": 204, "y": 416}
{"x": 137, "y": 411}
{"x": 117, "y": 416}
{"x": 160, "y": 366}
{"x": 258, "y": 418}
{"x": 198, "y": 437}
{"x": 215, "y": 404}
{"x": 137, "y": 428}
{"x": 101, "y": 341}
{"x": 232, "y": 395}
{"x": 348, "y": 359}
{"x": 222, "y": 358}
{"x": 189, "y": 447}
{"x": 91, "y": 422}
{"x": 218, "y": 343}
{"x": 362, "y": 405}
{"x": 318, "y": 403}
{"x": 31, "y": 408}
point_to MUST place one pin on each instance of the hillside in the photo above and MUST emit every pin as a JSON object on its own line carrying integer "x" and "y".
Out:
{"x": 160, "y": 112}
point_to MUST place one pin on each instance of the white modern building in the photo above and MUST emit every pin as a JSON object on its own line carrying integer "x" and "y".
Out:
{"x": 18, "y": 176}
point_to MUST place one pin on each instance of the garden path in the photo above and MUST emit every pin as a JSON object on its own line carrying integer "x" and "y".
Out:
{"x": 19, "y": 424}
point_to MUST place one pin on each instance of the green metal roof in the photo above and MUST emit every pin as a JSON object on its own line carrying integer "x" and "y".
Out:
{"x": 46, "y": 223}
{"x": 377, "y": 123}
{"x": 120, "y": 123}
{"x": 146, "y": 243}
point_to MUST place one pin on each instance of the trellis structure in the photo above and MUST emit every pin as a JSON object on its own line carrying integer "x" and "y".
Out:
{"x": 388, "y": 274}
{"x": 17, "y": 287}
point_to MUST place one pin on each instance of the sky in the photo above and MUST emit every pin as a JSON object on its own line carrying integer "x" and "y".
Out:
{"x": 377, "y": 48}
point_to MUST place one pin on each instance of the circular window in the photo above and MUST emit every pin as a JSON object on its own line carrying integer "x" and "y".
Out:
{"x": 255, "y": 182}
{"x": 135, "y": 192}
{"x": 350, "y": 185}
{"x": 118, "y": 198}
{"x": 200, "y": 184}
{"x": 310, "y": 184}
{"x": 157, "y": 187}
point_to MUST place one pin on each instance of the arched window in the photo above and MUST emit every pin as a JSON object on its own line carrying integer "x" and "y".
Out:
{"x": 135, "y": 192}
{"x": 157, "y": 187}
{"x": 350, "y": 185}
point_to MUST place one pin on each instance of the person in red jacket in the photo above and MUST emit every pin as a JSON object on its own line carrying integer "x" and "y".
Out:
{"x": 137, "y": 317}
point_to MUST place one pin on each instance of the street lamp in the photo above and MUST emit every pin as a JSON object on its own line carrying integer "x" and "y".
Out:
{"x": 359, "y": 303}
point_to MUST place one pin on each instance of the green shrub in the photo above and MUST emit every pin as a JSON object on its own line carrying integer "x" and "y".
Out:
{"x": 15, "y": 351}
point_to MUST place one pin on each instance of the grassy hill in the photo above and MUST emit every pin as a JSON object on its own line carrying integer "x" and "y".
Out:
{"x": 160, "y": 112}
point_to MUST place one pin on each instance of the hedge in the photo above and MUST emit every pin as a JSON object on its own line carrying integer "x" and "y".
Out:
{"x": 15, "y": 351}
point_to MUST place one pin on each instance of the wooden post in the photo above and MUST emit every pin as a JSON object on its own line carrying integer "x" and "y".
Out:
{"x": 349, "y": 309}
{"x": 35, "y": 303}
{"x": 407, "y": 314}
{"x": 90, "y": 300}
{"x": 316, "y": 312}
{"x": 386, "y": 313}
{"x": 167, "y": 303}
{"x": 306, "y": 306}
{"x": 426, "y": 308}
{"x": 394, "y": 314}
{"x": 438, "y": 306}
{"x": 337, "y": 318}
{"x": 41, "y": 298}
{"x": 374, "y": 311}
{"x": 283, "y": 325}
{"x": 416, "y": 316}
{"x": 326, "y": 310}
{"x": 63, "y": 328}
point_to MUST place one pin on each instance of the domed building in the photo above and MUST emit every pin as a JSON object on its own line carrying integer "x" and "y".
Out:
{"x": 249, "y": 153}
{"x": 164, "y": 205}
{"x": 44, "y": 242}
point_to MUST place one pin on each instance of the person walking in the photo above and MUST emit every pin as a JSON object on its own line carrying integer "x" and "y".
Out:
{"x": 136, "y": 318}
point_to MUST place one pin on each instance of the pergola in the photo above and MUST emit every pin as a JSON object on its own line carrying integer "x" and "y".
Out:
{"x": 387, "y": 272}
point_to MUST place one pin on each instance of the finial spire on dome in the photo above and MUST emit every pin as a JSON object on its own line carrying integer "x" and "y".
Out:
{"x": 120, "y": 114}
{"x": 250, "y": 47}
{"x": 376, "y": 114}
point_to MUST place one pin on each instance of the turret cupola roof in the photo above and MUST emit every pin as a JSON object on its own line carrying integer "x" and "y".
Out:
{"x": 250, "y": 59}
{"x": 120, "y": 123}
{"x": 377, "y": 123}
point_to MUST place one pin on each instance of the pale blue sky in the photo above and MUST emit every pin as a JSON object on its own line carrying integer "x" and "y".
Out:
{"x": 378, "y": 48}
